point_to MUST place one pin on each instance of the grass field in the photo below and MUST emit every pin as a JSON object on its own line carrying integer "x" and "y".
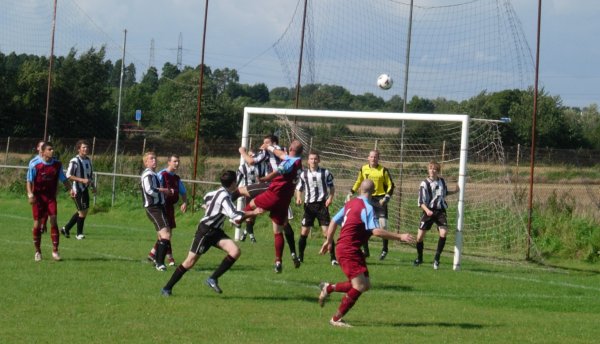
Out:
{"x": 105, "y": 292}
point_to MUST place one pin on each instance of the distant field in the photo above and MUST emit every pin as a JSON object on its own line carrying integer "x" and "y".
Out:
{"x": 104, "y": 292}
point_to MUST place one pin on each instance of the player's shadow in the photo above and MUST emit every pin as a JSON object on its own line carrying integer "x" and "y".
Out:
{"x": 393, "y": 287}
{"x": 460, "y": 325}
{"x": 101, "y": 259}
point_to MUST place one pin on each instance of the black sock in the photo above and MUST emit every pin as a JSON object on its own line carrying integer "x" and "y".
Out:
{"x": 440, "y": 248}
{"x": 385, "y": 245}
{"x": 420, "y": 246}
{"x": 179, "y": 272}
{"x": 366, "y": 247}
{"x": 332, "y": 253}
{"x": 302, "y": 245}
{"x": 226, "y": 264}
{"x": 250, "y": 227}
{"x": 289, "y": 237}
{"x": 80, "y": 221}
{"x": 161, "y": 251}
{"x": 72, "y": 221}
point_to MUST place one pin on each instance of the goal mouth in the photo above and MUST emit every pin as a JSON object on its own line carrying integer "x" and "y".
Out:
{"x": 483, "y": 216}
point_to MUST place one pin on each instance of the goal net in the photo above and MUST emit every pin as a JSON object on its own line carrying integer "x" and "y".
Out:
{"x": 484, "y": 217}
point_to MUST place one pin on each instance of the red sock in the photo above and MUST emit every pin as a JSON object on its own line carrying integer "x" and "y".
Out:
{"x": 347, "y": 302}
{"x": 341, "y": 287}
{"x": 37, "y": 238}
{"x": 55, "y": 238}
{"x": 279, "y": 243}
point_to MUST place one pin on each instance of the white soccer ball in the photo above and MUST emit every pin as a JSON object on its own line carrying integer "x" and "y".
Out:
{"x": 385, "y": 82}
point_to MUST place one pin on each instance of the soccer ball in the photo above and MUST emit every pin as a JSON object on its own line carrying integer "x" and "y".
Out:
{"x": 385, "y": 82}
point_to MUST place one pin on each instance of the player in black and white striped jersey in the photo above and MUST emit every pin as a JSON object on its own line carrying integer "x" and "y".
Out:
{"x": 249, "y": 174}
{"x": 154, "y": 203}
{"x": 317, "y": 185}
{"x": 272, "y": 162}
{"x": 210, "y": 232}
{"x": 80, "y": 173}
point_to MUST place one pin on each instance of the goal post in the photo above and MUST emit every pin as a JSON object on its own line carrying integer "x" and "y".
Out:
{"x": 463, "y": 120}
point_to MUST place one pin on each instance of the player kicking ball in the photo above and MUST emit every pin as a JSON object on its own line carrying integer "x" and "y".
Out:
{"x": 210, "y": 232}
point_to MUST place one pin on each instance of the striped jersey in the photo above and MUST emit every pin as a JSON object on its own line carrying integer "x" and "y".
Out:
{"x": 82, "y": 168}
{"x": 270, "y": 159}
{"x": 315, "y": 184}
{"x": 248, "y": 174}
{"x": 219, "y": 206}
{"x": 433, "y": 193}
{"x": 150, "y": 185}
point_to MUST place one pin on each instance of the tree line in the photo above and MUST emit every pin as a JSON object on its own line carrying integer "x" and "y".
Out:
{"x": 83, "y": 102}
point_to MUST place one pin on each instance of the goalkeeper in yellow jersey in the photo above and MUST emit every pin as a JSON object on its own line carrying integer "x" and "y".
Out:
{"x": 384, "y": 188}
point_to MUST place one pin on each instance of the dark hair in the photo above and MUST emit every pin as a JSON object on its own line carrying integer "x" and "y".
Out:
{"x": 47, "y": 144}
{"x": 173, "y": 156}
{"x": 274, "y": 139}
{"x": 80, "y": 143}
{"x": 313, "y": 152}
{"x": 228, "y": 177}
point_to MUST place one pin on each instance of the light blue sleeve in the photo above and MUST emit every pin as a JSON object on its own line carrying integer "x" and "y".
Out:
{"x": 182, "y": 190}
{"x": 367, "y": 216}
{"x": 31, "y": 171}
{"x": 339, "y": 217}
{"x": 287, "y": 164}
{"x": 61, "y": 175}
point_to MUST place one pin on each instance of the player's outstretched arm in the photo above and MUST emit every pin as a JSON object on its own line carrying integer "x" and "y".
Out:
{"x": 382, "y": 233}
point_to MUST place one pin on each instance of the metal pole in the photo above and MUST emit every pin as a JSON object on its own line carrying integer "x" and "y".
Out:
{"x": 7, "y": 148}
{"x": 114, "y": 181}
{"x": 199, "y": 109}
{"x": 404, "y": 105}
{"x": 50, "y": 72}
{"x": 300, "y": 59}
{"x": 533, "y": 130}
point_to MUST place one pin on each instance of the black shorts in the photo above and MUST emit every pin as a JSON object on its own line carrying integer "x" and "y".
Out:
{"x": 256, "y": 189}
{"x": 316, "y": 210}
{"x": 157, "y": 216}
{"x": 378, "y": 210}
{"x": 438, "y": 217}
{"x": 82, "y": 200}
{"x": 205, "y": 238}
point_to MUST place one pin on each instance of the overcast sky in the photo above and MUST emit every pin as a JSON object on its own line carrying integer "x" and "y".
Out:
{"x": 242, "y": 31}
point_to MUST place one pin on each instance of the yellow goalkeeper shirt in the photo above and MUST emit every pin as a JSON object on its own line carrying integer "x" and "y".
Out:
{"x": 380, "y": 176}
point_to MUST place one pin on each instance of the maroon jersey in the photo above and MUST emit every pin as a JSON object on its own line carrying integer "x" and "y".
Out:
{"x": 357, "y": 222}
{"x": 45, "y": 177}
{"x": 285, "y": 183}
{"x": 170, "y": 180}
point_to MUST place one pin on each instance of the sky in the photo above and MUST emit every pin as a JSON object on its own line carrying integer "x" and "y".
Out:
{"x": 242, "y": 33}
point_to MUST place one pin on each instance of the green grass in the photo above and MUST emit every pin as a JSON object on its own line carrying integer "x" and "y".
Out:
{"x": 104, "y": 292}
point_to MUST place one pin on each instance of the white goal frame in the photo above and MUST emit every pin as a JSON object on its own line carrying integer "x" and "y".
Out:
{"x": 388, "y": 116}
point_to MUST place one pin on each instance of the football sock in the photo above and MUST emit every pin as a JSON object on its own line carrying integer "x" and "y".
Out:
{"x": 179, "y": 272}
{"x": 420, "y": 246}
{"x": 250, "y": 227}
{"x": 154, "y": 249}
{"x": 55, "y": 238}
{"x": 302, "y": 245}
{"x": 289, "y": 237}
{"x": 80, "y": 222}
{"x": 332, "y": 252}
{"x": 385, "y": 245}
{"x": 72, "y": 221}
{"x": 341, "y": 287}
{"x": 366, "y": 248}
{"x": 225, "y": 265}
{"x": 278, "y": 246}
{"x": 440, "y": 248}
{"x": 37, "y": 238}
{"x": 161, "y": 252}
{"x": 347, "y": 302}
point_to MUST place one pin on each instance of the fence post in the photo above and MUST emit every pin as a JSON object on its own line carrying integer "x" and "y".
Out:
{"x": 93, "y": 147}
{"x": 7, "y": 147}
{"x": 144, "y": 146}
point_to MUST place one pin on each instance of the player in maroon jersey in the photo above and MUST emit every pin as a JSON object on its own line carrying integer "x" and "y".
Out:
{"x": 43, "y": 176}
{"x": 358, "y": 224}
{"x": 170, "y": 180}
{"x": 276, "y": 199}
